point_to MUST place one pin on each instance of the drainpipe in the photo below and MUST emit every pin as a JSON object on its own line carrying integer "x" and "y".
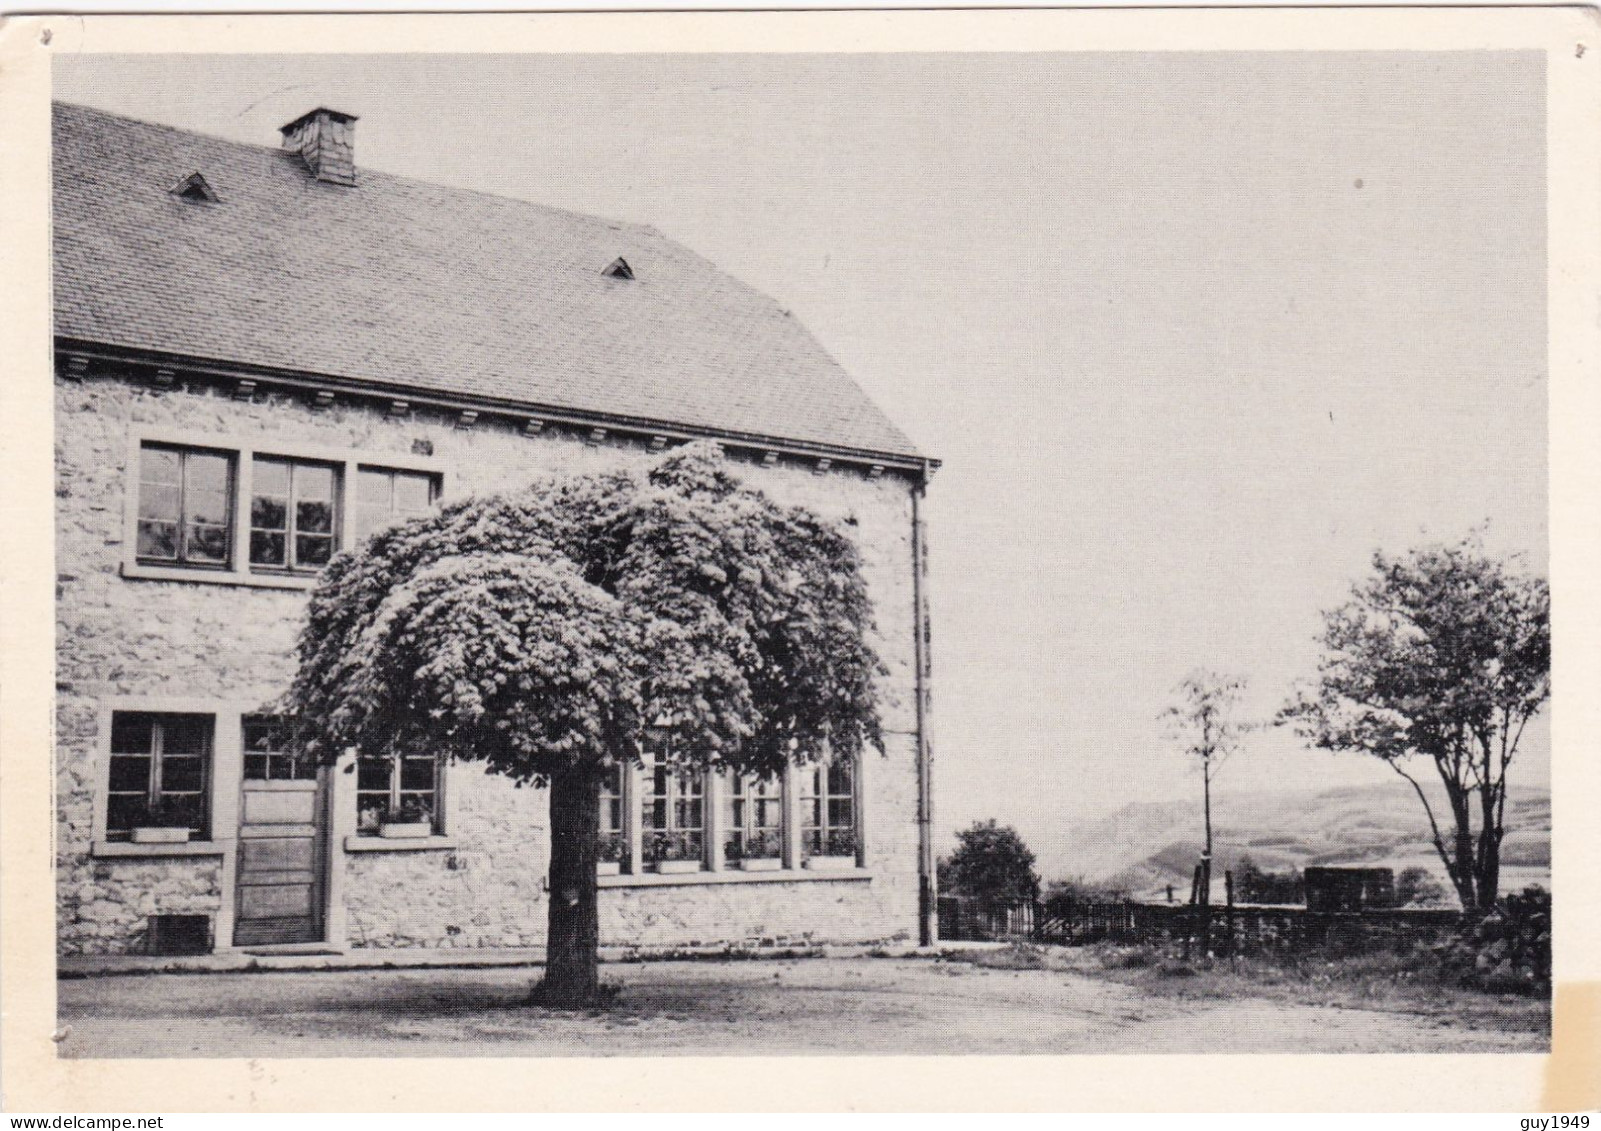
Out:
{"x": 927, "y": 897}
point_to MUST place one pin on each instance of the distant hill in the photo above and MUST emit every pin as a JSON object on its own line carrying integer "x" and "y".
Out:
{"x": 1145, "y": 846}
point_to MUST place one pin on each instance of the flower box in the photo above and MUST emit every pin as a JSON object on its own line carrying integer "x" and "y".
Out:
{"x": 405, "y": 830}
{"x": 608, "y": 868}
{"x": 677, "y": 867}
{"x": 830, "y": 863}
{"x": 761, "y": 864}
{"x": 159, "y": 834}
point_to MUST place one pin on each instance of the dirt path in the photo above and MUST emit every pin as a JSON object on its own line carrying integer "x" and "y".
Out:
{"x": 752, "y": 1008}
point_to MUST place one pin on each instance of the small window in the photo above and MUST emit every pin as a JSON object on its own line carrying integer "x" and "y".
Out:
{"x": 160, "y": 773}
{"x": 613, "y": 836}
{"x": 828, "y": 809}
{"x": 397, "y": 789}
{"x": 754, "y": 819}
{"x": 270, "y": 754}
{"x": 194, "y": 188}
{"x": 672, "y": 815}
{"x": 618, "y": 269}
{"x": 185, "y": 507}
{"x": 384, "y": 496}
{"x": 293, "y": 514}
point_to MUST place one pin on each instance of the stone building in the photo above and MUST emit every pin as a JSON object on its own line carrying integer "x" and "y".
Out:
{"x": 263, "y": 354}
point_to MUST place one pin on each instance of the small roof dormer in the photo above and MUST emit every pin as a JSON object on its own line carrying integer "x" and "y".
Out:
{"x": 618, "y": 269}
{"x": 194, "y": 187}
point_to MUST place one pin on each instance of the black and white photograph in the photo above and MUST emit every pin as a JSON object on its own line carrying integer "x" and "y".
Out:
{"x": 841, "y": 553}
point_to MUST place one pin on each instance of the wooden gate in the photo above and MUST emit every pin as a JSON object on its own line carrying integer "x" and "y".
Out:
{"x": 282, "y": 849}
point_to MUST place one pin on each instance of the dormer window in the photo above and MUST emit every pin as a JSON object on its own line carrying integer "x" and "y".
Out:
{"x": 194, "y": 187}
{"x": 618, "y": 269}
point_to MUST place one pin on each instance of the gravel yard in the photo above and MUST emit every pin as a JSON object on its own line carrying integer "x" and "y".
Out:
{"x": 857, "y": 1005}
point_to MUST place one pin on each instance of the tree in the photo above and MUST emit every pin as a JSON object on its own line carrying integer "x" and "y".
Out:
{"x": 1205, "y": 723}
{"x": 992, "y": 864}
{"x": 1440, "y": 657}
{"x": 556, "y": 632}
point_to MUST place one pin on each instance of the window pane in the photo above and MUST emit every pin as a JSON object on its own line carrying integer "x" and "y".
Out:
{"x": 207, "y": 544}
{"x": 130, "y": 773}
{"x": 256, "y": 767}
{"x": 184, "y": 774}
{"x": 268, "y": 513}
{"x": 417, "y": 773}
{"x": 158, "y": 540}
{"x": 374, "y": 489}
{"x": 132, "y": 734}
{"x": 314, "y": 516}
{"x": 124, "y": 811}
{"x": 314, "y": 481}
{"x": 313, "y": 550}
{"x": 370, "y": 810}
{"x": 186, "y": 809}
{"x": 159, "y": 500}
{"x": 159, "y": 465}
{"x": 839, "y": 777}
{"x": 267, "y": 549}
{"x": 373, "y": 774}
{"x": 413, "y": 493}
{"x": 205, "y": 472}
{"x": 270, "y": 477}
{"x": 185, "y": 734}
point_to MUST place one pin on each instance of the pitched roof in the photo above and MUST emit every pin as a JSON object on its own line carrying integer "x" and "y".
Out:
{"x": 404, "y": 283}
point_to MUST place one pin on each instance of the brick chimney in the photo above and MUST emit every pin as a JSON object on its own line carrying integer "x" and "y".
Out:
{"x": 326, "y": 140}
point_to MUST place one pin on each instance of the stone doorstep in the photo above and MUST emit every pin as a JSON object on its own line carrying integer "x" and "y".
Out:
{"x": 234, "y": 962}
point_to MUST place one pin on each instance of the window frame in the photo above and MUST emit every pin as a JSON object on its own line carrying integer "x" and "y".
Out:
{"x": 397, "y": 791}
{"x": 153, "y": 791}
{"x": 242, "y": 450}
{"x": 291, "y": 532}
{"x": 823, "y": 797}
{"x": 230, "y": 485}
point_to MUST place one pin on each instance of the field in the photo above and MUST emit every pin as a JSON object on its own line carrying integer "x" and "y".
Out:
{"x": 994, "y": 1001}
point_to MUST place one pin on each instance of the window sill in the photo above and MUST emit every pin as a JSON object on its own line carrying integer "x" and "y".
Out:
{"x": 128, "y": 848}
{"x": 137, "y": 572}
{"x": 782, "y": 876}
{"x": 398, "y": 844}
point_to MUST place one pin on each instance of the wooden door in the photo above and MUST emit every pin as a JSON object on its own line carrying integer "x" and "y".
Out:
{"x": 282, "y": 849}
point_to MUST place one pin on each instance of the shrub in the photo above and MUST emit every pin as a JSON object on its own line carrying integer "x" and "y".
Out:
{"x": 1508, "y": 950}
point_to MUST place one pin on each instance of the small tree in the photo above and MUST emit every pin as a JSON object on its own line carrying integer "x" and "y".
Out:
{"x": 553, "y": 633}
{"x": 1205, "y": 723}
{"x": 992, "y": 864}
{"x": 1441, "y": 657}
{"x": 1415, "y": 887}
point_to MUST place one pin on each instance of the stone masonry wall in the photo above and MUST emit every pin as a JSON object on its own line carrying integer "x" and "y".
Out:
{"x": 125, "y": 637}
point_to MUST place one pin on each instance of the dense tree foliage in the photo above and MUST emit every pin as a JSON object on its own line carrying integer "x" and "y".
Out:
{"x": 991, "y": 864}
{"x": 554, "y": 632}
{"x": 1440, "y": 657}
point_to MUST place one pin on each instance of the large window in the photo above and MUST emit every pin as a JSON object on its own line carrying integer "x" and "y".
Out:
{"x": 185, "y": 506}
{"x": 754, "y": 825}
{"x": 293, "y": 514}
{"x": 672, "y": 817}
{"x": 384, "y": 496}
{"x": 828, "y": 809}
{"x": 397, "y": 789}
{"x": 160, "y": 773}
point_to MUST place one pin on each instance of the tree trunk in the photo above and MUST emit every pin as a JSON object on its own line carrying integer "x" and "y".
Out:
{"x": 572, "y": 979}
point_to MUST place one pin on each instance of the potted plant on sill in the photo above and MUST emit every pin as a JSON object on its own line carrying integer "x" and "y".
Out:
{"x": 835, "y": 852}
{"x": 674, "y": 855}
{"x": 161, "y": 824}
{"x": 758, "y": 852}
{"x": 411, "y": 821}
{"x": 610, "y": 861}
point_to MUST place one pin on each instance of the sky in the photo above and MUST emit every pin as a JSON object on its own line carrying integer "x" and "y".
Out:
{"x": 1193, "y": 334}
